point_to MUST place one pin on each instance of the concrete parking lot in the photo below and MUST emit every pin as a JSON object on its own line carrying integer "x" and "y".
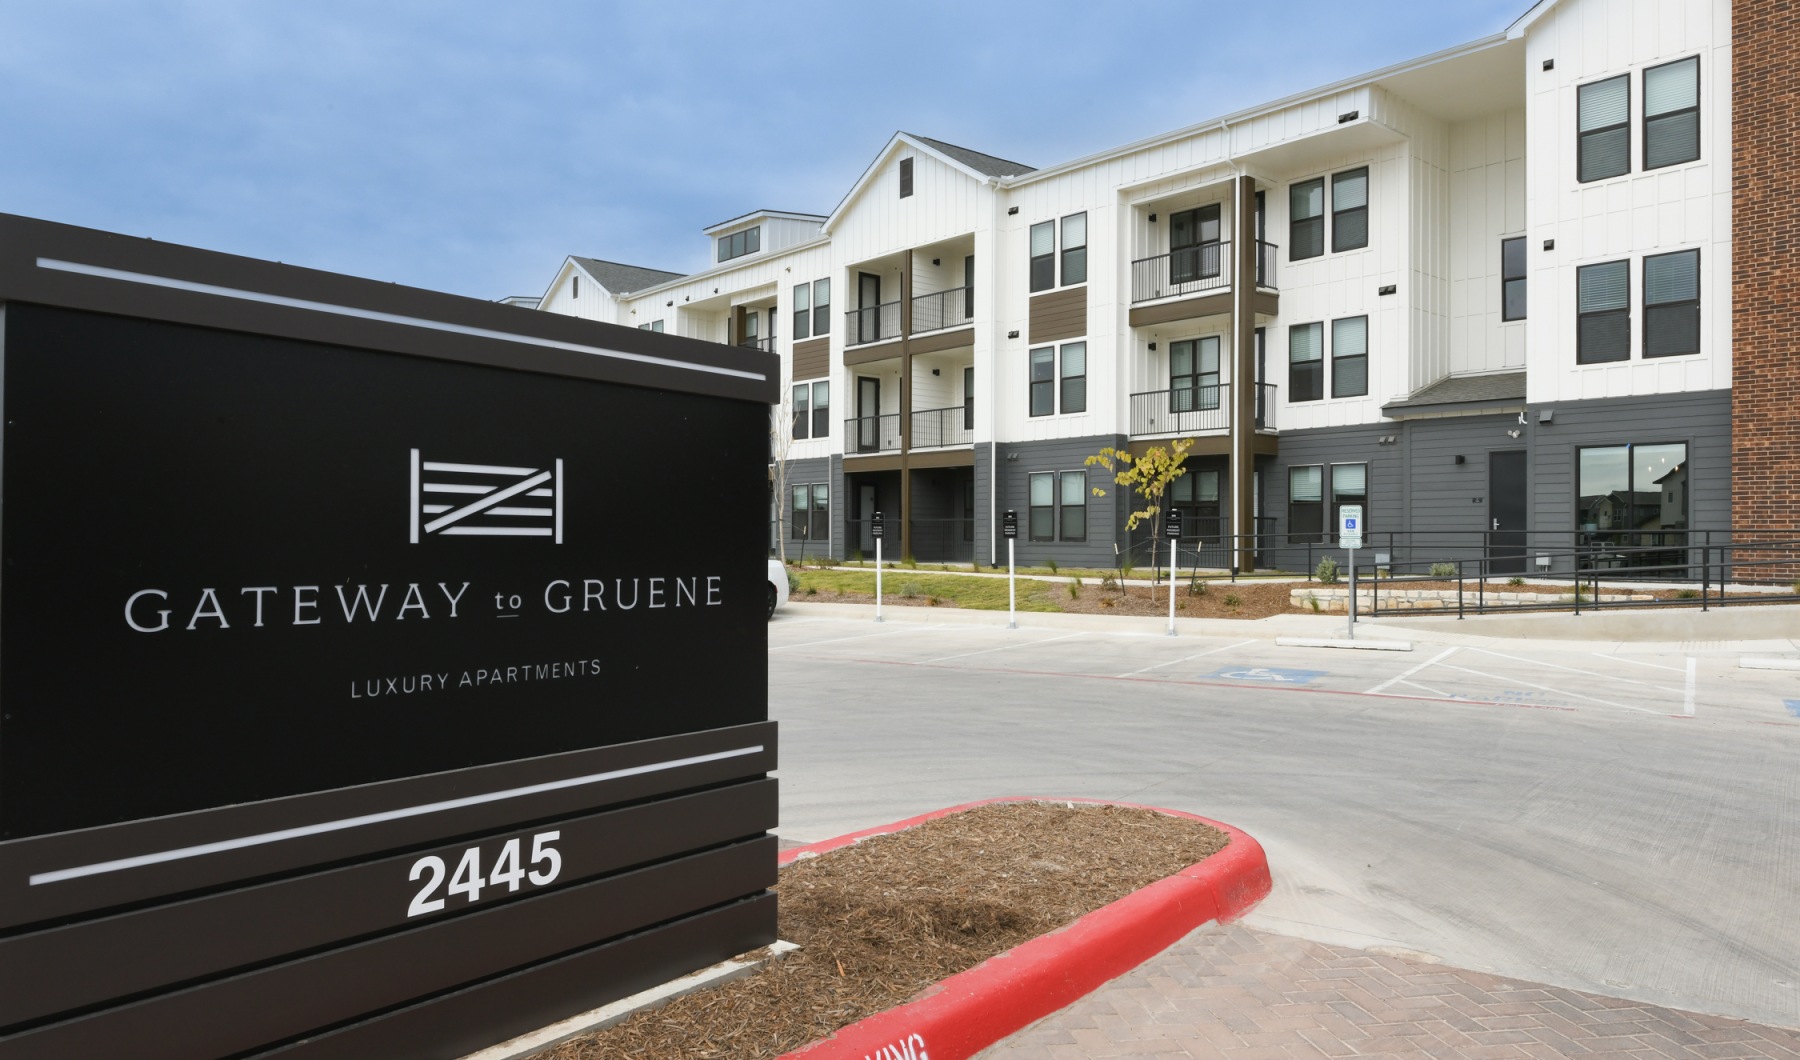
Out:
{"x": 1602, "y": 815}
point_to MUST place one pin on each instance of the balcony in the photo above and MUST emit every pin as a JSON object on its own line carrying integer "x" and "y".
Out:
{"x": 872, "y": 434}
{"x": 936, "y": 428}
{"x": 876, "y": 323}
{"x": 1195, "y": 270}
{"x": 943, "y": 309}
{"x": 1195, "y": 410}
{"x": 766, "y": 345}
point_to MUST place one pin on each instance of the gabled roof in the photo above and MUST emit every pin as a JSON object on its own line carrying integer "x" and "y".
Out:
{"x": 620, "y": 279}
{"x": 1524, "y": 22}
{"x": 1462, "y": 391}
{"x": 977, "y": 166}
{"x": 757, "y": 215}
{"x": 987, "y": 165}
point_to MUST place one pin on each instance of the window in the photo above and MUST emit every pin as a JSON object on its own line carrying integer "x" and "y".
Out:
{"x": 1512, "y": 278}
{"x": 654, "y": 325}
{"x": 1074, "y": 249}
{"x": 812, "y": 512}
{"x": 802, "y": 311}
{"x": 1349, "y": 485}
{"x": 812, "y": 410}
{"x": 1196, "y": 496}
{"x": 575, "y": 287}
{"x": 1306, "y": 504}
{"x": 1194, "y": 375}
{"x": 821, "y": 300}
{"x": 906, "y": 178}
{"x": 1306, "y": 362}
{"x": 1603, "y": 312}
{"x": 1043, "y": 256}
{"x": 1194, "y": 244}
{"x": 1042, "y": 517}
{"x": 1632, "y": 500}
{"x": 1350, "y": 357}
{"x": 968, "y": 399}
{"x": 1603, "y": 122}
{"x": 1043, "y": 381}
{"x": 1350, "y": 209}
{"x": 737, "y": 244}
{"x": 1072, "y": 526}
{"x": 1672, "y": 113}
{"x": 1074, "y": 377}
{"x": 1672, "y": 304}
{"x": 1306, "y": 219}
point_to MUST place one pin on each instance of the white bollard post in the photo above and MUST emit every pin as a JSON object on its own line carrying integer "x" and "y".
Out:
{"x": 878, "y": 579}
{"x": 1174, "y": 576}
{"x": 1012, "y": 590}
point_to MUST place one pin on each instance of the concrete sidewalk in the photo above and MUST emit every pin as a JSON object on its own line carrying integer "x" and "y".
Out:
{"x": 1233, "y": 992}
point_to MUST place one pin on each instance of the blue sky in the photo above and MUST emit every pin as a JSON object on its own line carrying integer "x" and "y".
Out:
{"x": 469, "y": 147}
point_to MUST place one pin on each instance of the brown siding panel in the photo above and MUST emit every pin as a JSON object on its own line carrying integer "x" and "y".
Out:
{"x": 812, "y": 358}
{"x": 1059, "y": 315}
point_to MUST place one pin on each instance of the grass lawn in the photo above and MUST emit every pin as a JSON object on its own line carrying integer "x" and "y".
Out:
{"x": 981, "y": 594}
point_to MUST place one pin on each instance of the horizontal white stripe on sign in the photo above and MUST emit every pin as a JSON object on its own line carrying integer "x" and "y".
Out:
{"x": 546, "y": 512}
{"x": 479, "y": 469}
{"x": 496, "y": 531}
{"x": 486, "y": 502}
{"x": 169, "y": 282}
{"x": 342, "y": 824}
{"x": 542, "y": 493}
{"x": 434, "y": 509}
{"x": 454, "y": 487}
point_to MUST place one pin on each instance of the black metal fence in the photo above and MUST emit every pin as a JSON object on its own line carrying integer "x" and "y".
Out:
{"x": 1194, "y": 409}
{"x": 1196, "y": 270}
{"x": 940, "y": 427}
{"x": 872, "y": 434}
{"x": 943, "y": 309}
{"x": 872, "y": 324}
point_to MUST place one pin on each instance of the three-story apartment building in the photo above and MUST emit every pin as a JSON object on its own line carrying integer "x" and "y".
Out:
{"x": 1487, "y": 290}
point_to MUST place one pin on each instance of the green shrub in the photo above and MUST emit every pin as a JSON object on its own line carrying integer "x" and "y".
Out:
{"x": 793, "y": 583}
{"x": 910, "y": 590}
{"x": 1515, "y": 581}
{"x": 1198, "y": 588}
{"x": 1075, "y": 589}
{"x": 1233, "y": 601}
{"x": 1051, "y": 563}
{"x": 812, "y": 591}
{"x": 1687, "y": 594}
{"x": 1313, "y": 602}
{"x": 1327, "y": 571}
{"x": 1443, "y": 570}
{"x": 1107, "y": 581}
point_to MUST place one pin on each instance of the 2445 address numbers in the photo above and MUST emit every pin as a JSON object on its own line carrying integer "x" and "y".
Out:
{"x": 469, "y": 881}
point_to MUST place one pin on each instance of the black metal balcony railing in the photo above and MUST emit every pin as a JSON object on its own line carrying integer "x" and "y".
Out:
{"x": 1195, "y": 270}
{"x": 767, "y": 345}
{"x": 943, "y": 309}
{"x": 872, "y": 324}
{"x": 872, "y": 434}
{"x": 1195, "y": 409}
{"x": 940, "y": 427}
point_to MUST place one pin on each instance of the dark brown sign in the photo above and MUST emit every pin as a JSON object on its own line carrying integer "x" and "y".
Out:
{"x": 340, "y": 672}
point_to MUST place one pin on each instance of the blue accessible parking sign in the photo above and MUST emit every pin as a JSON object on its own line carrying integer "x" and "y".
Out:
{"x": 1267, "y": 675}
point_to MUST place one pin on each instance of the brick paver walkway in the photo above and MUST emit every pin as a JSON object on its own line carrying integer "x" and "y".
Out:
{"x": 1232, "y": 992}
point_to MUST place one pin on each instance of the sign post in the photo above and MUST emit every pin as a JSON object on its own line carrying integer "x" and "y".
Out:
{"x": 1010, "y": 527}
{"x": 1172, "y": 531}
{"x": 876, "y": 531}
{"x": 1350, "y": 536}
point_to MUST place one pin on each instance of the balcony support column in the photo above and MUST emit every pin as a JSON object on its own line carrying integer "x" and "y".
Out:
{"x": 1243, "y": 375}
{"x": 735, "y": 326}
{"x": 906, "y": 388}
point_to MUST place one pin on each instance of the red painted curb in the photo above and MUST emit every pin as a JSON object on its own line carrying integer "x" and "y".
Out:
{"x": 972, "y": 1010}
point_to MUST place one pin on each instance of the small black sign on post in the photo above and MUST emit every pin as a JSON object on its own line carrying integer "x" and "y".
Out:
{"x": 1172, "y": 525}
{"x": 876, "y": 529}
{"x": 1009, "y": 524}
{"x": 1172, "y": 531}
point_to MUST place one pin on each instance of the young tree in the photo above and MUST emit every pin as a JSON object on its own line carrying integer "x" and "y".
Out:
{"x": 781, "y": 443}
{"x": 1148, "y": 476}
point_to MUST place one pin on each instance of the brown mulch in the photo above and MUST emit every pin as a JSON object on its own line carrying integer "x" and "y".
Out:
{"x": 882, "y": 920}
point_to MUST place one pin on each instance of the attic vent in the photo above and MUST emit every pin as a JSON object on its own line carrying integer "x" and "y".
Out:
{"x": 576, "y": 293}
{"x": 1349, "y": 116}
{"x": 905, "y": 177}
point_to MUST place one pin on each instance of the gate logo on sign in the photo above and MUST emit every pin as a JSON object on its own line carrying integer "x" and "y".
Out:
{"x": 486, "y": 500}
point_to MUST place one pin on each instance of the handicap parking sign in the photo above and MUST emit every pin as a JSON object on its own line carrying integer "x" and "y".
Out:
{"x": 1264, "y": 675}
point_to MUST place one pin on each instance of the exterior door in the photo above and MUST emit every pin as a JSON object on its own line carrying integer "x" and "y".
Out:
{"x": 868, "y": 307}
{"x": 1194, "y": 244}
{"x": 865, "y": 519}
{"x": 868, "y": 414}
{"x": 1506, "y": 512}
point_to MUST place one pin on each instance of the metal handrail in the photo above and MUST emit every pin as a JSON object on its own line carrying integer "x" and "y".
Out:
{"x": 872, "y": 434}
{"x": 1197, "y": 269}
{"x": 875, "y": 323}
{"x": 1181, "y": 410}
{"x": 943, "y": 309}
{"x": 940, "y": 427}
{"x": 766, "y": 345}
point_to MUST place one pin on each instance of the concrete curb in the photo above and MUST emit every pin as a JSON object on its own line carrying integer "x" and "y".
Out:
{"x": 972, "y": 1010}
{"x": 1339, "y": 642}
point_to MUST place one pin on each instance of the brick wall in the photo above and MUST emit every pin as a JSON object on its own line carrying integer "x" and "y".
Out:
{"x": 1765, "y": 383}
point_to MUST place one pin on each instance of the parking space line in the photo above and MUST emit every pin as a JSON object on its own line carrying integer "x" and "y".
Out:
{"x": 1549, "y": 688}
{"x": 1187, "y": 658}
{"x": 1612, "y": 678}
{"x": 1004, "y": 647}
{"x": 1439, "y": 657}
{"x": 1633, "y": 662}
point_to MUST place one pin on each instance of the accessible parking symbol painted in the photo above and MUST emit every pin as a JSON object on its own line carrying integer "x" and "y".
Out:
{"x": 1265, "y": 675}
{"x": 1793, "y": 706}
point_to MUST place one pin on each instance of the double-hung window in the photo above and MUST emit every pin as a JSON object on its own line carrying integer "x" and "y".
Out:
{"x": 802, "y": 411}
{"x": 1074, "y": 377}
{"x": 1043, "y": 256}
{"x": 1043, "y": 506}
{"x": 1603, "y": 136}
{"x": 1306, "y": 362}
{"x": 1072, "y": 526}
{"x": 812, "y": 410}
{"x": 1350, "y": 209}
{"x": 1306, "y": 219}
{"x": 1672, "y": 304}
{"x": 1672, "y": 113}
{"x": 1603, "y": 312}
{"x": 821, "y": 300}
{"x": 1350, "y": 357}
{"x": 1074, "y": 249}
{"x": 812, "y": 512}
{"x": 1043, "y": 381}
{"x": 802, "y": 311}
{"x": 1512, "y": 278}
{"x": 1306, "y": 504}
{"x": 1194, "y": 375}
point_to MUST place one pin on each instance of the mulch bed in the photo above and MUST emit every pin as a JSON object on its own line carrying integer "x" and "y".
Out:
{"x": 882, "y": 920}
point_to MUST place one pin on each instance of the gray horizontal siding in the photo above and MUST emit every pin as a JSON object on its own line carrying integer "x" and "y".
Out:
{"x": 1105, "y": 516}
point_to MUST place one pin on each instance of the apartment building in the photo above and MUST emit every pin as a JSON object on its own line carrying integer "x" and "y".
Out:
{"x": 1484, "y": 293}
